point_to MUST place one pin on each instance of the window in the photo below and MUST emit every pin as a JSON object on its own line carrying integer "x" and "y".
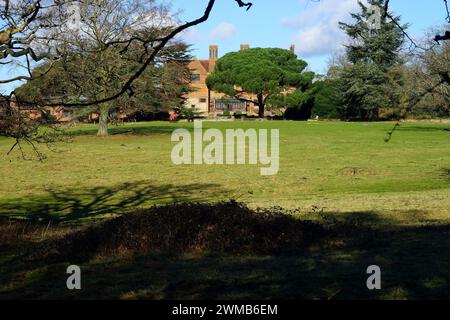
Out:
{"x": 66, "y": 114}
{"x": 195, "y": 77}
{"x": 230, "y": 105}
{"x": 202, "y": 100}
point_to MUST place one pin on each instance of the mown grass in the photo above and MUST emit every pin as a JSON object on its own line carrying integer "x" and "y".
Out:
{"x": 341, "y": 169}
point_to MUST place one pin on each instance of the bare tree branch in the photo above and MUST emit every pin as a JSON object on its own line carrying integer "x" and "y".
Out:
{"x": 153, "y": 46}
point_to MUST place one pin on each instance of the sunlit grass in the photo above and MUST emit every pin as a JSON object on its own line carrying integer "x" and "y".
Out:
{"x": 333, "y": 165}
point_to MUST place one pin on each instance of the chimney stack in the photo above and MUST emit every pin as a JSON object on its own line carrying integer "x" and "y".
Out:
{"x": 245, "y": 47}
{"x": 213, "y": 56}
{"x": 292, "y": 48}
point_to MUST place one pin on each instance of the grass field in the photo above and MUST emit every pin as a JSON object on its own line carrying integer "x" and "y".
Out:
{"x": 345, "y": 169}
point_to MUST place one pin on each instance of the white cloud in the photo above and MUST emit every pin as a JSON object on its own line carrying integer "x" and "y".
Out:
{"x": 316, "y": 30}
{"x": 223, "y": 31}
{"x": 192, "y": 35}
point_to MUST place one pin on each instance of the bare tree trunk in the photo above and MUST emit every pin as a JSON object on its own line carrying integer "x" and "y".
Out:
{"x": 261, "y": 106}
{"x": 103, "y": 120}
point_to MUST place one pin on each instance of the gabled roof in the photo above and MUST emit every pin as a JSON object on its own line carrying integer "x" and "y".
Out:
{"x": 205, "y": 64}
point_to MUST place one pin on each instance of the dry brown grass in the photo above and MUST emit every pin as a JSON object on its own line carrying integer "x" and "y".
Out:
{"x": 227, "y": 227}
{"x": 14, "y": 232}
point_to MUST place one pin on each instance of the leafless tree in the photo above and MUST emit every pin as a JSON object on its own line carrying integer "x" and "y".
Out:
{"x": 30, "y": 30}
{"x": 35, "y": 30}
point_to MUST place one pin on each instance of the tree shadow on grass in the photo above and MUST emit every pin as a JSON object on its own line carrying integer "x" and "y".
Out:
{"x": 413, "y": 260}
{"x": 424, "y": 128}
{"x": 71, "y": 205}
{"x": 138, "y": 129}
{"x": 446, "y": 173}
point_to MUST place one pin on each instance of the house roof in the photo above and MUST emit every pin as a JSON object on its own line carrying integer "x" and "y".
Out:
{"x": 205, "y": 64}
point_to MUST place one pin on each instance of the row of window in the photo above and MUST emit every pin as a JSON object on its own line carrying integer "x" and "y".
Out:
{"x": 227, "y": 104}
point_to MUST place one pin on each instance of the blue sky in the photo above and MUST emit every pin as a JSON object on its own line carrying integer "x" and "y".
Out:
{"x": 310, "y": 25}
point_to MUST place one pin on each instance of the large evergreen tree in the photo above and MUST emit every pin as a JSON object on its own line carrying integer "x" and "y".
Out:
{"x": 264, "y": 72}
{"x": 369, "y": 81}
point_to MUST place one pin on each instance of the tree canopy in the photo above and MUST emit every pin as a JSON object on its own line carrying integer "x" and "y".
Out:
{"x": 262, "y": 72}
{"x": 93, "y": 67}
{"x": 369, "y": 81}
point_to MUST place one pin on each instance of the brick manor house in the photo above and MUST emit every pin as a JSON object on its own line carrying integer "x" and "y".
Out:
{"x": 201, "y": 98}
{"x": 210, "y": 102}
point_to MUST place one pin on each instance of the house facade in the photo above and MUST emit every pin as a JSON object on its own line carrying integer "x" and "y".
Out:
{"x": 208, "y": 101}
{"x": 59, "y": 113}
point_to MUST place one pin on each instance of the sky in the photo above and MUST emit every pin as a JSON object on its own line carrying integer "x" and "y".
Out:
{"x": 311, "y": 25}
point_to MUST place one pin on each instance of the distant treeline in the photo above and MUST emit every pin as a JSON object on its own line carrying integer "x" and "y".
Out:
{"x": 380, "y": 77}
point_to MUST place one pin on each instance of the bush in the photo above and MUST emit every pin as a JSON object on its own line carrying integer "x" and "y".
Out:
{"x": 150, "y": 116}
{"x": 387, "y": 114}
{"x": 226, "y": 114}
{"x": 279, "y": 115}
{"x": 251, "y": 116}
{"x": 238, "y": 115}
{"x": 189, "y": 113}
{"x": 227, "y": 227}
{"x": 302, "y": 112}
{"x": 299, "y": 104}
{"x": 327, "y": 100}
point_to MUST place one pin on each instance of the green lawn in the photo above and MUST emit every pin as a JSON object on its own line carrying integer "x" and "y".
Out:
{"x": 401, "y": 188}
{"x": 342, "y": 167}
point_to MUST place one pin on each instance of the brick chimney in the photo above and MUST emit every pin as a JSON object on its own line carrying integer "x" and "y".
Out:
{"x": 213, "y": 56}
{"x": 245, "y": 47}
{"x": 292, "y": 48}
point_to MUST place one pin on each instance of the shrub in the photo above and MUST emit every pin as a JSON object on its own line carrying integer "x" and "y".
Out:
{"x": 387, "y": 114}
{"x": 327, "y": 100}
{"x": 251, "y": 116}
{"x": 227, "y": 114}
{"x": 227, "y": 227}
{"x": 238, "y": 115}
{"x": 279, "y": 115}
{"x": 299, "y": 104}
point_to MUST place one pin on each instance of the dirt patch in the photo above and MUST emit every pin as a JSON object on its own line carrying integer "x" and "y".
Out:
{"x": 356, "y": 171}
{"x": 228, "y": 227}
